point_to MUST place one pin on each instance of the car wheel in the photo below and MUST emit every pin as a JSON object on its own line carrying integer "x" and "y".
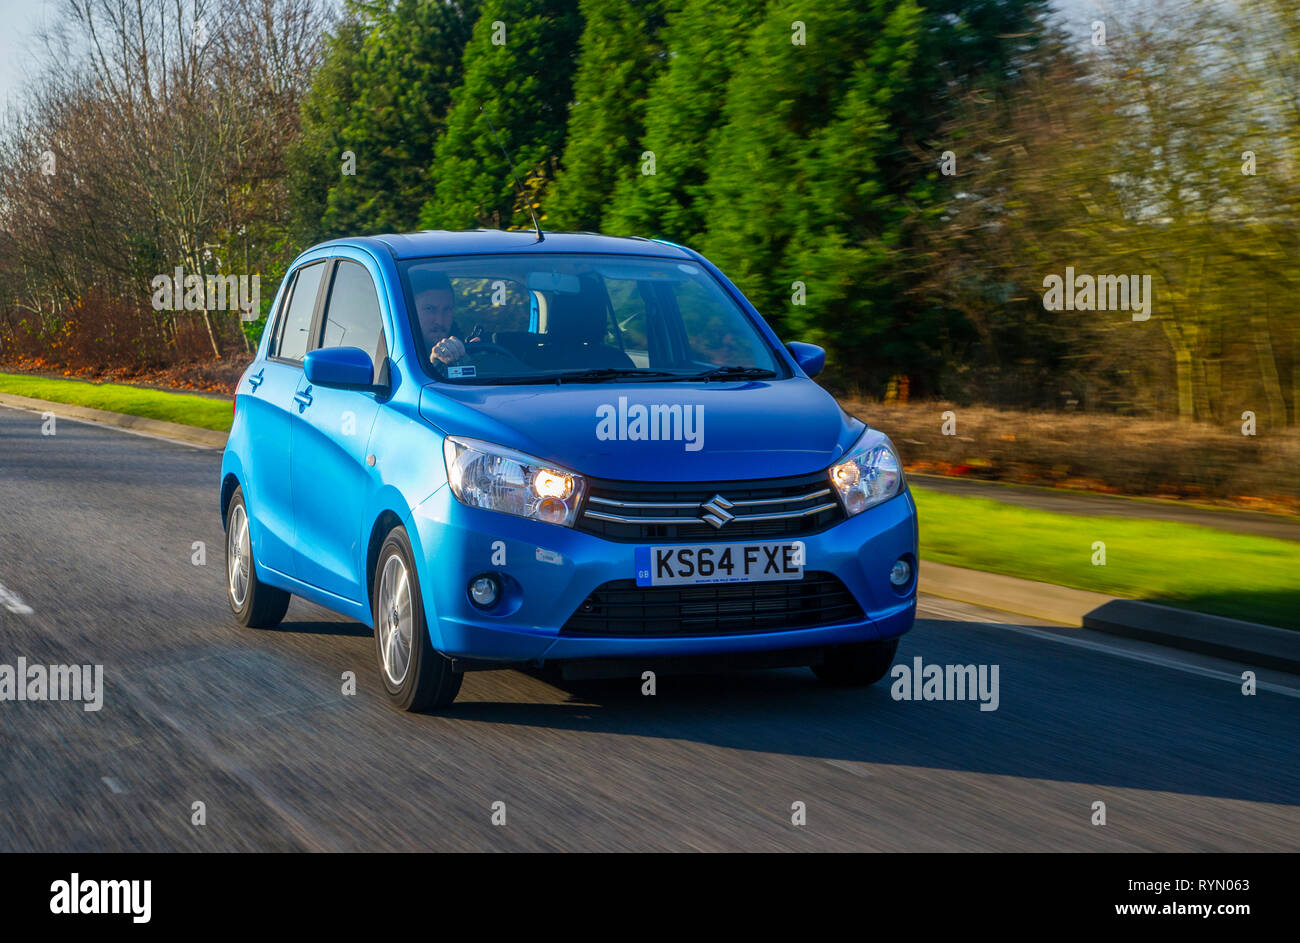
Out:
{"x": 416, "y": 676}
{"x": 857, "y": 665}
{"x": 254, "y": 603}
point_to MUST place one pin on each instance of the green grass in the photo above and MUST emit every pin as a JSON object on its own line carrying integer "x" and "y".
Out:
{"x": 184, "y": 408}
{"x": 1237, "y": 575}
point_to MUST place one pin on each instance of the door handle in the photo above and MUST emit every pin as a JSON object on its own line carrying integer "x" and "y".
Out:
{"x": 256, "y": 379}
{"x": 303, "y": 398}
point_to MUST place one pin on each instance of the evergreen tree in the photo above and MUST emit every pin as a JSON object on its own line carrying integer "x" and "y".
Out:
{"x": 518, "y": 68}
{"x": 313, "y": 159}
{"x": 705, "y": 41}
{"x": 816, "y": 178}
{"x": 620, "y": 53}
{"x": 382, "y": 94}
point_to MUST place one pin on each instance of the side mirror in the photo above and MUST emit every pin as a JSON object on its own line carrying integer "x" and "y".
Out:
{"x": 810, "y": 358}
{"x": 345, "y": 367}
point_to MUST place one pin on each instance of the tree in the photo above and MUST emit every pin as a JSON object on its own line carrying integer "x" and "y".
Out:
{"x": 518, "y": 70}
{"x": 815, "y": 176}
{"x": 620, "y": 53}
{"x": 1168, "y": 152}
{"x": 381, "y": 98}
{"x": 683, "y": 118}
{"x": 154, "y": 138}
{"x": 316, "y": 154}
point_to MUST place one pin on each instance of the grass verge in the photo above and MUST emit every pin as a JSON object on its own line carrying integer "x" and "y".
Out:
{"x": 183, "y": 408}
{"x": 1236, "y": 575}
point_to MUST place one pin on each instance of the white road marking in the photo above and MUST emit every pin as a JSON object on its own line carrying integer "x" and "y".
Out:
{"x": 13, "y": 602}
{"x": 857, "y": 769}
{"x": 1090, "y": 645}
{"x": 113, "y": 784}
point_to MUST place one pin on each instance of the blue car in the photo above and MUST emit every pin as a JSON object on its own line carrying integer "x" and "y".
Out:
{"x": 565, "y": 450}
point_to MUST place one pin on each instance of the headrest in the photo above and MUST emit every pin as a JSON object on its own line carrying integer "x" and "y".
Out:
{"x": 579, "y": 317}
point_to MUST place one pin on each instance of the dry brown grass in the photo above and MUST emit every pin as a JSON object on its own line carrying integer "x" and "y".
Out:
{"x": 1097, "y": 452}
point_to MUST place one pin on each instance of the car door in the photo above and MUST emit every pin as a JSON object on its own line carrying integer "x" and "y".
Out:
{"x": 268, "y": 404}
{"x": 332, "y": 483}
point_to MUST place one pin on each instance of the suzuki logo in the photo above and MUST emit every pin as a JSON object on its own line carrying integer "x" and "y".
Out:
{"x": 717, "y": 511}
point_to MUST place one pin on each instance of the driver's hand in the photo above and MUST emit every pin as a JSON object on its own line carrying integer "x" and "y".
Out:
{"x": 448, "y": 350}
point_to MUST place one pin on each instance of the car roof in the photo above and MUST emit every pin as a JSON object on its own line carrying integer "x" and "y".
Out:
{"x": 441, "y": 242}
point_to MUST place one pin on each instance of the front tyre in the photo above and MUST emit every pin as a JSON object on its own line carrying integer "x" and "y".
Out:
{"x": 416, "y": 676}
{"x": 857, "y": 665}
{"x": 254, "y": 603}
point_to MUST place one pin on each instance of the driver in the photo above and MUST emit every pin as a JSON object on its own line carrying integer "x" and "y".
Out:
{"x": 435, "y": 304}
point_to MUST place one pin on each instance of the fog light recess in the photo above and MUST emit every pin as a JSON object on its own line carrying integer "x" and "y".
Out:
{"x": 484, "y": 591}
{"x": 900, "y": 574}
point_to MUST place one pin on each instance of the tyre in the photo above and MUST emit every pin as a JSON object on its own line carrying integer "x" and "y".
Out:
{"x": 416, "y": 676}
{"x": 254, "y": 603}
{"x": 857, "y": 665}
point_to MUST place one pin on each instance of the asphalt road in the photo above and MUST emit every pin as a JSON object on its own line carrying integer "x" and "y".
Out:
{"x": 97, "y": 528}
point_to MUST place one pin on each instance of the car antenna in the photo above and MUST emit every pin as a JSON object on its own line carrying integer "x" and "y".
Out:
{"x": 527, "y": 202}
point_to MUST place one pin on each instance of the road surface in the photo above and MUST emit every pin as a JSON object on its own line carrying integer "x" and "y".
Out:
{"x": 97, "y": 535}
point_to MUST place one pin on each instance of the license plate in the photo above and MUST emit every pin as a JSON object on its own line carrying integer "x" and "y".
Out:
{"x": 719, "y": 563}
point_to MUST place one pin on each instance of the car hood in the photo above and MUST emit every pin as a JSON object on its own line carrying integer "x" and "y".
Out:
{"x": 749, "y": 429}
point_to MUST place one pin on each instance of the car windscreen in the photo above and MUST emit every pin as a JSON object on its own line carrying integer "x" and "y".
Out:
{"x": 543, "y": 318}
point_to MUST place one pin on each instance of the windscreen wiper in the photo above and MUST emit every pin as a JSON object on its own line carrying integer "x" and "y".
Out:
{"x": 572, "y": 376}
{"x": 608, "y": 373}
{"x": 601, "y": 374}
{"x": 734, "y": 373}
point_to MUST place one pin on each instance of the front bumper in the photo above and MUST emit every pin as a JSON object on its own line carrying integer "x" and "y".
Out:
{"x": 549, "y": 571}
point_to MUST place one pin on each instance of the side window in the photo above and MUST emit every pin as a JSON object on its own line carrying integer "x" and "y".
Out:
{"x": 295, "y": 323}
{"x": 352, "y": 313}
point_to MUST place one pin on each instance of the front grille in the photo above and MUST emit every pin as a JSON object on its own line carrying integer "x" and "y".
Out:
{"x": 674, "y": 512}
{"x": 622, "y": 608}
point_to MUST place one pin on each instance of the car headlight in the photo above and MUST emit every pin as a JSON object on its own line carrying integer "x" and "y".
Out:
{"x": 489, "y": 476}
{"x": 868, "y": 474}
